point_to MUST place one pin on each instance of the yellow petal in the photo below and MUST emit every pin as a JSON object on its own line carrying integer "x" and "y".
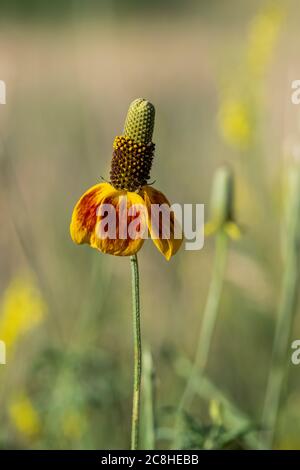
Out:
{"x": 167, "y": 246}
{"x": 84, "y": 217}
{"x": 210, "y": 228}
{"x": 131, "y": 242}
{"x": 233, "y": 230}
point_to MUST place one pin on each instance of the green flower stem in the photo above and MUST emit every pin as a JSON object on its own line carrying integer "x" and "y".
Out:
{"x": 280, "y": 349}
{"x": 208, "y": 326}
{"x": 213, "y": 301}
{"x": 286, "y": 312}
{"x": 137, "y": 353}
{"x": 209, "y": 316}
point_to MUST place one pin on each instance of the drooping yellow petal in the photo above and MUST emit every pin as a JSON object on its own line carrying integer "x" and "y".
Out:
{"x": 162, "y": 229}
{"x": 233, "y": 230}
{"x": 84, "y": 216}
{"x": 210, "y": 228}
{"x": 129, "y": 228}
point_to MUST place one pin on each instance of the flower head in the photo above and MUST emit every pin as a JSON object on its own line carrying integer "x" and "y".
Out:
{"x": 222, "y": 205}
{"x": 263, "y": 35}
{"x": 24, "y": 416}
{"x": 21, "y": 309}
{"x": 236, "y": 123}
{"x": 116, "y": 217}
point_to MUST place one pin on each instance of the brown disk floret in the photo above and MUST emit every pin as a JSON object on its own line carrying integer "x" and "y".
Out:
{"x": 131, "y": 163}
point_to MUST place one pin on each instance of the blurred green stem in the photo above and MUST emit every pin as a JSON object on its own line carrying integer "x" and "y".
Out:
{"x": 286, "y": 312}
{"x": 280, "y": 349}
{"x": 137, "y": 374}
{"x": 209, "y": 315}
{"x": 208, "y": 322}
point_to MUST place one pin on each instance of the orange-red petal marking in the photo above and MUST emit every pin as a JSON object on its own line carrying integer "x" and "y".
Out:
{"x": 84, "y": 217}
{"x": 86, "y": 220}
{"x": 119, "y": 246}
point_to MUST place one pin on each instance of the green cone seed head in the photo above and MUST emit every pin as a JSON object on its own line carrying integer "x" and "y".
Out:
{"x": 139, "y": 123}
{"x": 222, "y": 196}
{"x": 133, "y": 151}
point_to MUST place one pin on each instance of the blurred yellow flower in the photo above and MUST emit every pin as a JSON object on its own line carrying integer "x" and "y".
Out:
{"x": 21, "y": 309}
{"x": 222, "y": 205}
{"x": 24, "y": 416}
{"x": 263, "y": 34}
{"x": 73, "y": 424}
{"x": 235, "y": 123}
{"x": 215, "y": 412}
{"x": 241, "y": 97}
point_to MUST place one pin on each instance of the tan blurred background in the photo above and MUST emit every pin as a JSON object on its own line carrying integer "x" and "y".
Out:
{"x": 220, "y": 79}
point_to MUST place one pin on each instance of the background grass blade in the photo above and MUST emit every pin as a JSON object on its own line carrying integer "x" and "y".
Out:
{"x": 148, "y": 402}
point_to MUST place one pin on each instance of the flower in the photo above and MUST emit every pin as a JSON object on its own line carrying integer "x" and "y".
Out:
{"x": 263, "y": 35}
{"x": 222, "y": 205}
{"x": 241, "y": 99}
{"x": 24, "y": 416}
{"x": 127, "y": 191}
{"x": 236, "y": 123}
{"x": 73, "y": 424}
{"x": 22, "y": 308}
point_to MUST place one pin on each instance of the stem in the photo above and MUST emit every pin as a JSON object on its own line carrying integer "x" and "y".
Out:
{"x": 280, "y": 349}
{"x": 137, "y": 372}
{"x": 286, "y": 312}
{"x": 209, "y": 316}
{"x": 208, "y": 323}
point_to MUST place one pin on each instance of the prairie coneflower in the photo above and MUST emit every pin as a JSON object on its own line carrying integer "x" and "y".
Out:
{"x": 130, "y": 171}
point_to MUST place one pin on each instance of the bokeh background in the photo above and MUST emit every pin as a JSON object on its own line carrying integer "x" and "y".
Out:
{"x": 219, "y": 74}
